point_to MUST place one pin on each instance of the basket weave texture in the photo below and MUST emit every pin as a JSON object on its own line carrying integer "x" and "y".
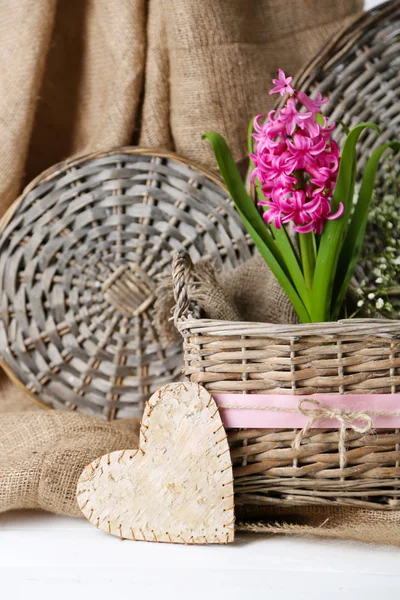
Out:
{"x": 81, "y": 253}
{"x": 347, "y": 357}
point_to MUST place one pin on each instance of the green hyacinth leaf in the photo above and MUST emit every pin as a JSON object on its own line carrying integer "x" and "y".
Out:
{"x": 353, "y": 241}
{"x": 332, "y": 236}
{"x": 243, "y": 203}
{"x": 292, "y": 261}
{"x": 279, "y": 273}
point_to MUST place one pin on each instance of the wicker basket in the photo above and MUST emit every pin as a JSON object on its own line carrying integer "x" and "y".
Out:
{"x": 358, "y": 70}
{"x": 80, "y": 255}
{"x": 347, "y": 357}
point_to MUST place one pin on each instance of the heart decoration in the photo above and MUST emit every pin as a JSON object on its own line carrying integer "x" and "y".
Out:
{"x": 178, "y": 486}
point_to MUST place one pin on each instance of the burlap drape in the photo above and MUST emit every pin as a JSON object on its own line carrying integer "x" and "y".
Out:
{"x": 87, "y": 75}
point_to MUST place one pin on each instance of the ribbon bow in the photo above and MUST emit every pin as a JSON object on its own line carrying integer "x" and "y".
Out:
{"x": 347, "y": 419}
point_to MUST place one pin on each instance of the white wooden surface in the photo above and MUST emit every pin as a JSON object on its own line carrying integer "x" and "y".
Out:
{"x": 43, "y": 557}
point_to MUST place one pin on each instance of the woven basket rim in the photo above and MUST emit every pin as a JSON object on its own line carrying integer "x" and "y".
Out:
{"x": 187, "y": 316}
{"x": 346, "y": 326}
{"x": 73, "y": 161}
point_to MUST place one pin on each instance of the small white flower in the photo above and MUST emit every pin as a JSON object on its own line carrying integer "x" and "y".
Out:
{"x": 360, "y": 303}
{"x": 379, "y": 280}
{"x": 379, "y": 303}
{"x": 371, "y": 296}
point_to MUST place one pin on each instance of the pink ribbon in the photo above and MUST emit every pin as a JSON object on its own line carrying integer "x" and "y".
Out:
{"x": 360, "y": 412}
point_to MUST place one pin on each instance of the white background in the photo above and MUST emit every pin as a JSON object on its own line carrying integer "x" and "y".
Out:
{"x": 45, "y": 557}
{"x": 371, "y": 3}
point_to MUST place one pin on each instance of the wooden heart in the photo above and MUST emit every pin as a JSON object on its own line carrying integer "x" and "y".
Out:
{"x": 178, "y": 486}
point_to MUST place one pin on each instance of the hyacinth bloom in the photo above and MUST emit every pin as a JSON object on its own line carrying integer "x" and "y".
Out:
{"x": 294, "y": 151}
{"x": 311, "y": 231}
{"x": 282, "y": 84}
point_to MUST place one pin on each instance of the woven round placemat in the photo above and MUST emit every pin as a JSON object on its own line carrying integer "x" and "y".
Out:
{"x": 81, "y": 252}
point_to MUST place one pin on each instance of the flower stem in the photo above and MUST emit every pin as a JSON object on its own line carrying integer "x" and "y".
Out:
{"x": 308, "y": 256}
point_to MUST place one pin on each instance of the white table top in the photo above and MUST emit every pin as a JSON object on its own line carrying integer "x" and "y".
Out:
{"x": 58, "y": 558}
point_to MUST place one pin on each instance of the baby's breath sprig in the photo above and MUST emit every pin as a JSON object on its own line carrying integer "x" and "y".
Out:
{"x": 378, "y": 272}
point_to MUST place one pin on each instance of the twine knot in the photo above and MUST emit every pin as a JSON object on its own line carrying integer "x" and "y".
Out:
{"x": 358, "y": 421}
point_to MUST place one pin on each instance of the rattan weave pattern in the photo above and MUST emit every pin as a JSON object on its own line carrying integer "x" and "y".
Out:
{"x": 351, "y": 356}
{"x": 81, "y": 253}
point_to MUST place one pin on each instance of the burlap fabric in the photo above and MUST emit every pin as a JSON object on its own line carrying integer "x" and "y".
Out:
{"x": 336, "y": 522}
{"x": 43, "y": 453}
{"x": 88, "y": 75}
{"x": 248, "y": 293}
{"x": 85, "y": 75}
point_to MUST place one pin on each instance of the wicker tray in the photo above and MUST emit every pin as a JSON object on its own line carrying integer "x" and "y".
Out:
{"x": 347, "y": 357}
{"x": 81, "y": 252}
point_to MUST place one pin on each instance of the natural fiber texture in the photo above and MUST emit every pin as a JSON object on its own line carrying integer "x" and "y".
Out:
{"x": 345, "y": 523}
{"x": 252, "y": 302}
{"x": 84, "y": 76}
{"x": 81, "y": 253}
{"x": 177, "y": 486}
{"x": 43, "y": 453}
{"x": 343, "y": 467}
{"x": 359, "y": 71}
{"x": 209, "y": 64}
{"x": 234, "y": 295}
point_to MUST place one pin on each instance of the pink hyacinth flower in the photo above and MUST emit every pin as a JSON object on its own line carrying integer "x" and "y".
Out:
{"x": 303, "y": 151}
{"x": 282, "y": 84}
{"x": 291, "y": 117}
{"x": 273, "y": 214}
{"x": 312, "y": 105}
{"x": 294, "y": 205}
{"x": 296, "y": 162}
{"x": 319, "y": 214}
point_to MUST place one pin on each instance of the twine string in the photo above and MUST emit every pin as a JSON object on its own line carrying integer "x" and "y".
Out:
{"x": 359, "y": 421}
{"x": 347, "y": 419}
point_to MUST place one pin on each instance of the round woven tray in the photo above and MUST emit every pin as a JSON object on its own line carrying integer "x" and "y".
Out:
{"x": 81, "y": 253}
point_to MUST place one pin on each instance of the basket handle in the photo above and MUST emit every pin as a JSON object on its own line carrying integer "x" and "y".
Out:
{"x": 182, "y": 270}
